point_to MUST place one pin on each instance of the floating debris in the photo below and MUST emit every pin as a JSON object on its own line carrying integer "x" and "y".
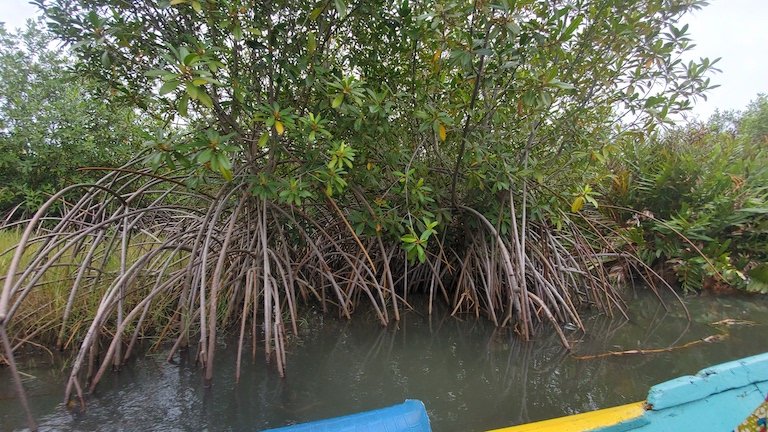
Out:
{"x": 733, "y": 322}
{"x": 708, "y": 339}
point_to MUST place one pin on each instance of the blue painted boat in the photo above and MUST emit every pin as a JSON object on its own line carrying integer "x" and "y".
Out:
{"x": 719, "y": 398}
{"x": 409, "y": 416}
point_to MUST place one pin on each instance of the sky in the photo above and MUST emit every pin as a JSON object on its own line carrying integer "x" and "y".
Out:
{"x": 737, "y": 32}
{"x": 734, "y": 30}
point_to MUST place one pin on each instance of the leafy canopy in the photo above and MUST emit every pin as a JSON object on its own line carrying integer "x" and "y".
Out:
{"x": 418, "y": 107}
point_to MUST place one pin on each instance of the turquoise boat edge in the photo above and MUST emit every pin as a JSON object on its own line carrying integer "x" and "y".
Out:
{"x": 717, "y": 398}
{"x": 708, "y": 382}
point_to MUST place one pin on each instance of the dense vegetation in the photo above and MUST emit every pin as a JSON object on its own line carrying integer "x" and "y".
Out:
{"x": 52, "y": 123}
{"x": 699, "y": 196}
{"x": 508, "y": 158}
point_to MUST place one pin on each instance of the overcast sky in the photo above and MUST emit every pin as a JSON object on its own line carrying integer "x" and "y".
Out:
{"x": 735, "y": 30}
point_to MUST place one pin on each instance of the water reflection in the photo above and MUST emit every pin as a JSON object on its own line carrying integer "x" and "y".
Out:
{"x": 471, "y": 376}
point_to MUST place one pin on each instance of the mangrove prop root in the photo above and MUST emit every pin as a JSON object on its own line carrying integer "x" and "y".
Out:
{"x": 708, "y": 339}
{"x": 151, "y": 257}
{"x": 16, "y": 377}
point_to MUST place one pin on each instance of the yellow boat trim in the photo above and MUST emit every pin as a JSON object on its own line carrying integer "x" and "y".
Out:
{"x": 582, "y": 422}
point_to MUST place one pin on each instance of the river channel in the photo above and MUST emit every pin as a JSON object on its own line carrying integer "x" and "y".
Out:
{"x": 471, "y": 376}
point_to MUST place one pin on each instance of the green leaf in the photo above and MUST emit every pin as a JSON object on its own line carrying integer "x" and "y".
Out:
{"x": 205, "y": 156}
{"x": 226, "y": 173}
{"x": 237, "y": 32}
{"x": 214, "y": 162}
{"x": 157, "y": 73}
{"x": 759, "y": 273}
{"x": 315, "y": 13}
{"x": 577, "y": 204}
{"x": 568, "y": 32}
{"x": 190, "y": 58}
{"x": 263, "y": 140}
{"x": 311, "y": 43}
{"x": 341, "y": 7}
{"x": 168, "y": 87}
{"x": 193, "y": 91}
{"x": 421, "y": 254}
{"x": 758, "y": 279}
{"x": 224, "y": 161}
{"x": 337, "y": 101}
{"x": 754, "y": 210}
{"x": 183, "y": 105}
{"x": 409, "y": 238}
{"x": 205, "y": 99}
{"x": 561, "y": 85}
{"x": 224, "y": 166}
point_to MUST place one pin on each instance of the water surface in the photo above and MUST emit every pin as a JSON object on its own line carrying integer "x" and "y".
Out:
{"x": 471, "y": 376}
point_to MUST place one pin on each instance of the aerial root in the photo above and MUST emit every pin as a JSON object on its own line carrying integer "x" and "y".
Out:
{"x": 142, "y": 256}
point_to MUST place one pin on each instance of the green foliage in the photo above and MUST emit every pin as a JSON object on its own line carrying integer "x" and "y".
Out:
{"x": 52, "y": 123}
{"x": 758, "y": 279}
{"x": 417, "y": 107}
{"x": 584, "y": 195}
{"x": 703, "y": 191}
{"x": 415, "y": 245}
{"x": 362, "y": 128}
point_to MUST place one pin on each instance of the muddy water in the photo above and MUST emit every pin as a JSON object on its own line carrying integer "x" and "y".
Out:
{"x": 471, "y": 376}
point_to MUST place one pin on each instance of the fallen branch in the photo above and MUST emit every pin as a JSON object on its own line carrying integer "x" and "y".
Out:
{"x": 708, "y": 339}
